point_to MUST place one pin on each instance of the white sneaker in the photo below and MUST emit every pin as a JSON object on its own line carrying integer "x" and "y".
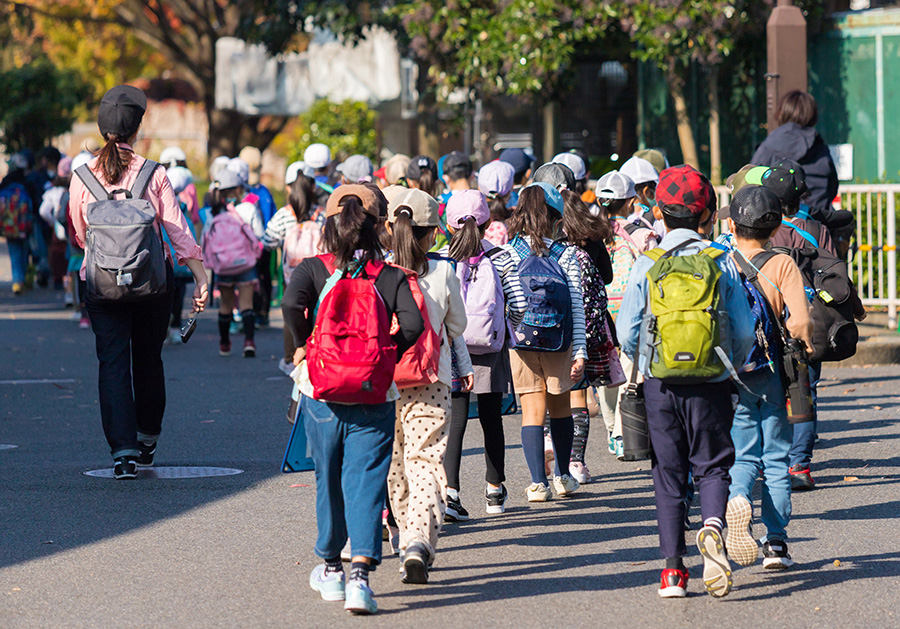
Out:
{"x": 580, "y": 472}
{"x": 716, "y": 569}
{"x": 330, "y": 586}
{"x": 285, "y": 367}
{"x": 742, "y": 548}
{"x": 565, "y": 485}
{"x": 538, "y": 492}
{"x": 346, "y": 553}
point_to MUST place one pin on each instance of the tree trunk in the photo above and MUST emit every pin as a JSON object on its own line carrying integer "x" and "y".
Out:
{"x": 551, "y": 137}
{"x": 715, "y": 135}
{"x": 429, "y": 139}
{"x": 230, "y": 131}
{"x": 683, "y": 119}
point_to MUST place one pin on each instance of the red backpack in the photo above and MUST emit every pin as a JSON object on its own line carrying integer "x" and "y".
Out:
{"x": 419, "y": 364}
{"x": 350, "y": 355}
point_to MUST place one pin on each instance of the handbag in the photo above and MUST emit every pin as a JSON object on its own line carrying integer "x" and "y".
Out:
{"x": 635, "y": 429}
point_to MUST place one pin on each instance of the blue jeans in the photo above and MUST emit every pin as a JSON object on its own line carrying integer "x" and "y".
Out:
{"x": 18, "y": 258}
{"x": 351, "y": 448}
{"x": 805, "y": 433}
{"x": 762, "y": 438}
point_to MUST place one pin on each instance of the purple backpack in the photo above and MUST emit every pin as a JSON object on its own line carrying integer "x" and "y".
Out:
{"x": 482, "y": 294}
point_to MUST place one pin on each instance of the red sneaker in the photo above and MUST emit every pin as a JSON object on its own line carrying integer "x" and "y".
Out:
{"x": 674, "y": 583}
{"x": 225, "y": 349}
{"x": 801, "y": 480}
{"x": 249, "y": 349}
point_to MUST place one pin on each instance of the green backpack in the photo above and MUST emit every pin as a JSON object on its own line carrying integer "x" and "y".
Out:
{"x": 683, "y": 301}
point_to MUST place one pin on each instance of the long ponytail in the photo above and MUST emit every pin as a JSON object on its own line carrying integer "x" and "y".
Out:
{"x": 302, "y": 197}
{"x": 408, "y": 250}
{"x": 466, "y": 242}
{"x": 352, "y": 230}
{"x": 112, "y": 161}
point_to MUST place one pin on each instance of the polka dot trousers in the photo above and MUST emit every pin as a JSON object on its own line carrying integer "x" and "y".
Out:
{"x": 417, "y": 482}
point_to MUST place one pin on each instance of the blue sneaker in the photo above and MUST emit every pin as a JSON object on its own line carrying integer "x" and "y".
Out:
{"x": 611, "y": 443}
{"x": 329, "y": 585}
{"x": 359, "y": 598}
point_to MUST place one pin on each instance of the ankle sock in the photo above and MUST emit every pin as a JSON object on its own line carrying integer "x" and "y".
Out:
{"x": 494, "y": 490}
{"x": 582, "y": 422}
{"x": 224, "y": 325}
{"x": 533, "y": 447}
{"x": 674, "y": 563}
{"x": 715, "y": 523}
{"x": 453, "y": 494}
{"x": 249, "y": 321}
{"x": 333, "y": 565}
{"x": 359, "y": 571}
{"x": 562, "y": 432}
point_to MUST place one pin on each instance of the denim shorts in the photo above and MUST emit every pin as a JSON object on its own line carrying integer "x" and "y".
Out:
{"x": 241, "y": 278}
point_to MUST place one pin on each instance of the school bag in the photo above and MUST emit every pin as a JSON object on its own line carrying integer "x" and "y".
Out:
{"x": 768, "y": 346}
{"x": 300, "y": 242}
{"x": 230, "y": 247}
{"x": 350, "y": 355}
{"x": 125, "y": 258}
{"x": 547, "y": 324}
{"x": 684, "y": 305}
{"x": 420, "y": 363}
{"x": 15, "y": 211}
{"x": 482, "y": 293}
{"x": 831, "y": 293}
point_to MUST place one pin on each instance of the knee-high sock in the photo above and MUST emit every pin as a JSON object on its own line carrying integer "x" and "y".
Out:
{"x": 533, "y": 446}
{"x": 562, "y": 431}
{"x": 582, "y": 422}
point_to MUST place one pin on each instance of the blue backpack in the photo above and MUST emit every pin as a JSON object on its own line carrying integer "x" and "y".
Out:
{"x": 767, "y": 350}
{"x": 547, "y": 324}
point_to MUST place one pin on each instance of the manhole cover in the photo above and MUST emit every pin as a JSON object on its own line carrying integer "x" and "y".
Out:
{"x": 171, "y": 472}
{"x": 7, "y": 446}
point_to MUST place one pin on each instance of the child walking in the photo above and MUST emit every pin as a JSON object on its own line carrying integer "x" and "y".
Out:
{"x": 231, "y": 249}
{"x": 468, "y": 218}
{"x": 668, "y": 322}
{"x": 417, "y": 481}
{"x": 761, "y": 432}
{"x": 542, "y": 286}
{"x": 350, "y": 441}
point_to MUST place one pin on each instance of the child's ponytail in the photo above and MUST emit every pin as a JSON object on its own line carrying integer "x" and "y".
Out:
{"x": 408, "y": 252}
{"x": 466, "y": 242}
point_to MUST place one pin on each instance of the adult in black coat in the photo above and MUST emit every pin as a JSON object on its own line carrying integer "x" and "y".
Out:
{"x": 796, "y": 138}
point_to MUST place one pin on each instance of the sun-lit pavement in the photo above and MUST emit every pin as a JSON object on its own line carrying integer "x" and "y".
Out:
{"x": 236, "y": 551}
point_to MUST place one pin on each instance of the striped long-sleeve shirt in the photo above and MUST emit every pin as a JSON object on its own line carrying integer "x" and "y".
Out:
{"x": 507, "y": 264}
{"x": 278, "y": 226}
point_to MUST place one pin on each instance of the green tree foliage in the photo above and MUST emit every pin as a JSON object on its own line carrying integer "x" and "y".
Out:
{"x": 38, "y": 102}
{"x": 346, "y": 128}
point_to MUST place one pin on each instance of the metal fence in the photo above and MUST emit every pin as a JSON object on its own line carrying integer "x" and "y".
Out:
{"x": 872, "y": 259}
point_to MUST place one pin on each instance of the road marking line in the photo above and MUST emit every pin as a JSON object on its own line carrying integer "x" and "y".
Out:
{"x": 40, "y": 381}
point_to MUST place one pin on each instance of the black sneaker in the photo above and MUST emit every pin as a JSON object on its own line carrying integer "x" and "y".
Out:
{"x": 125, "y": 468}
{"x": 455, "y": 511}
{"x": 415, "y": 565}
{"x": 775, "y": 555}
{"x": 496, "y": 502}
{"x": 801, "y": 480}
{"x": 145, "y": 458}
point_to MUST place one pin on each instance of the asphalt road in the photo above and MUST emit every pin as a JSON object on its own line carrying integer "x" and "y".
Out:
{"x": 236, "y": 551}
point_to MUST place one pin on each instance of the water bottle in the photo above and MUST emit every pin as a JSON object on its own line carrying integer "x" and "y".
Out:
{"x": 635, "y": 430}
{"x": 799, "y": 396}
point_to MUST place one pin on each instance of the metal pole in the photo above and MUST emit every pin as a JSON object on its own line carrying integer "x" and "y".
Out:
{"x": 786, "y": 52}
{"x": 892, "y": 260}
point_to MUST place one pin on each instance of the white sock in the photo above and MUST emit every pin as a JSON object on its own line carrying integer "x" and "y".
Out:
{"x": 453, "y": 493}
{"x": 494, "y": 490}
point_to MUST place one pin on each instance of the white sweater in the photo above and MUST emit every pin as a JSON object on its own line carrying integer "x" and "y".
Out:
{"x": 443, "y": 300}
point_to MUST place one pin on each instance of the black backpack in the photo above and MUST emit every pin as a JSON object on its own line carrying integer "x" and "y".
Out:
{"x": 831, "y": 293}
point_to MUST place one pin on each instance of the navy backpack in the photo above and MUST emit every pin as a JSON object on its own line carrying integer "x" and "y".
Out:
{"x": 547, "y": 324}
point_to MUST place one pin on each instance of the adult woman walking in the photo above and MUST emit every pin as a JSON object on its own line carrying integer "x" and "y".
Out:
{"x": 130, "y": 334}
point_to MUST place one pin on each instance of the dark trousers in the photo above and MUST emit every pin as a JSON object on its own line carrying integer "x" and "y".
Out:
{"x": 262, "y": 299}
{"x": 129, "y": 339}
{"x": 690, "y": 428}
{"x": 489, "y": 413}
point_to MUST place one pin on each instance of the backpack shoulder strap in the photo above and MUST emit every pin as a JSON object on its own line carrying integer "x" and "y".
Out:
{"x": 714, "y": 250}
{"x": 490, "y": 253}
{"x": 145, "y": 174}
{"x": 521, "y": 247}
{"x": 659, "y": 253}
{"x": 90, "y": 181}
{"x": 655, "y": 254}
{"x": 803, "y": 233}
{"x": 557, "y": 249}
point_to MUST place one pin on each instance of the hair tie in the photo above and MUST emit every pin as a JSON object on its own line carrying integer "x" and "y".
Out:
{"x": 492, "y": 195}
{"x": 403, "y": 210}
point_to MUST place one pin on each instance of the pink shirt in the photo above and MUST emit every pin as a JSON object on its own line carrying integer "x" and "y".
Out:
{"x": 160, "y": 195}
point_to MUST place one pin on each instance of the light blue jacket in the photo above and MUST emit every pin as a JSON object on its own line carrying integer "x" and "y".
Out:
{"x": 737, "y": 335}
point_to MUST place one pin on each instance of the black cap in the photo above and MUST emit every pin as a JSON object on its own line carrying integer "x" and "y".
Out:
{"x": 457, "y": 165}
{"x": 787, "y": 180}
{"x": 419, "y": 164}
{"x": 519, "y": 159}
{"x": 121, "y": 111}
{"x": 755, "y": 206}
{"x": 557, "y": 175}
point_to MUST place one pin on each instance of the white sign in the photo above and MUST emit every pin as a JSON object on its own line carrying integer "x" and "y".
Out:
{"x": 842, "y": 156}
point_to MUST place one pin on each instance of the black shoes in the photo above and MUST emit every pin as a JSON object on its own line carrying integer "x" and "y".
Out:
{"x": 455, "y": 511}
{"x": 125, "y": 468}
{"x": 415, "y": 565}
{"x": 145, "y": 458}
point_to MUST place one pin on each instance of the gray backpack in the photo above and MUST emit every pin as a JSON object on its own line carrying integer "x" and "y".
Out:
{"x": 124, "y": 256}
